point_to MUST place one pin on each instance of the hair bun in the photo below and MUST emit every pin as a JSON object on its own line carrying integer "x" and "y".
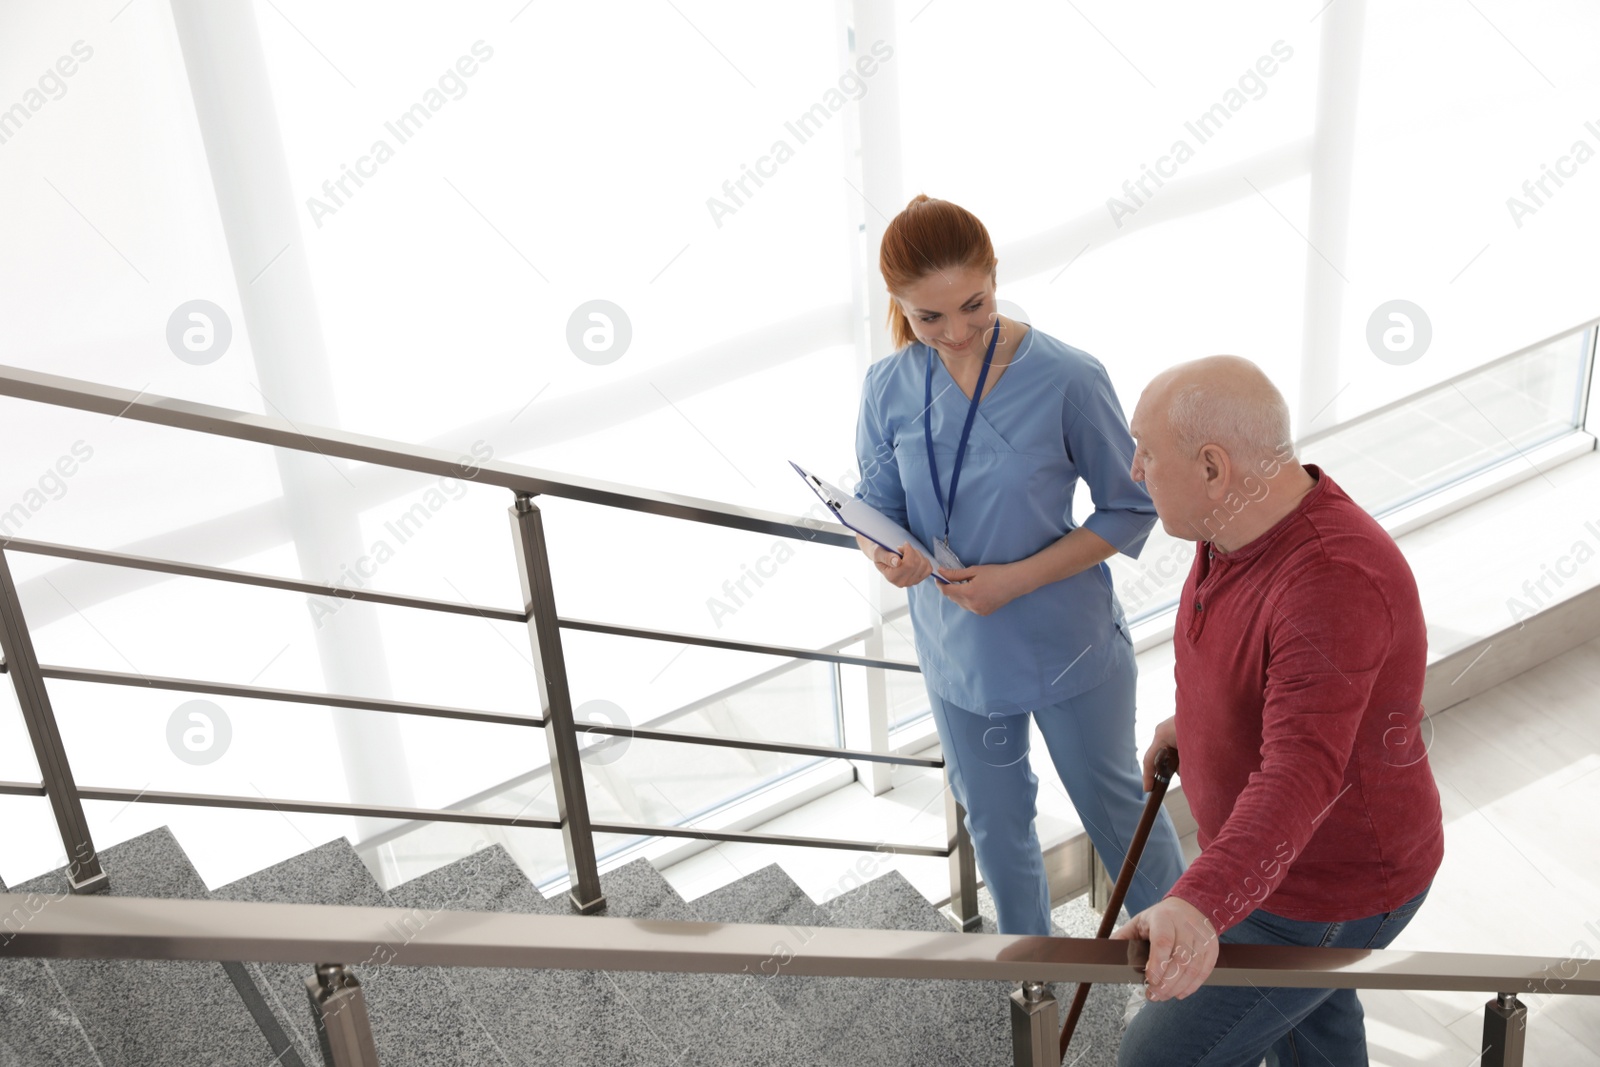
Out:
{"x": 929, "y": 235}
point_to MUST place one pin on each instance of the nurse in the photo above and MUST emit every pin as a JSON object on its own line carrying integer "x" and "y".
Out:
{"x": 973, "y": 435}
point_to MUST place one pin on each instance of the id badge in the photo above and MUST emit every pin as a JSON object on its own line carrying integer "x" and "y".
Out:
{"x": 944, "y": 556}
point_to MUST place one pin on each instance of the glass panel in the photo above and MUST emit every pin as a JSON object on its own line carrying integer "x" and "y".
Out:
{"x": 1397, "y": 456}
{"x": 1451, "y": 431}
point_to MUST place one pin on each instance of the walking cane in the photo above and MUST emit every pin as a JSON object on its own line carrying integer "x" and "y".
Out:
{"x": 1166, "y": 767}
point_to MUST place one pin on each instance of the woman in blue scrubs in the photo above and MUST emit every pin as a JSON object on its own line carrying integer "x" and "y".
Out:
{"x": 973, "y": 435}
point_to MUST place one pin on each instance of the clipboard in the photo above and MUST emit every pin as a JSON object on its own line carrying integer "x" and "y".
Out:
{"x": 865, "y": 519}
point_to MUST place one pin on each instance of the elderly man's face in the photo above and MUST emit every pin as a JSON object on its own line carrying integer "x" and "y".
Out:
{"x": 1174, "y": 481}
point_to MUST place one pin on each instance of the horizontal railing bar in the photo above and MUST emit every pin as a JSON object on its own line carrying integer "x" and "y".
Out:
{"x": 748, "y": 838}
{"x": 214, "y": 800}
{"x": 671, "y": 716}
{"x": 61, "y": 391}
{"x": 190, "y": 685}
{"x": 225, "y": 574}
{"x": 771, "y": 672}
{"x": 312, "y": 807}
{"x": 825, "y": 751}
{"x": 238, "y": 577}
{"x": 22, "y": 789}
{"x": 737, "y": 646}
{"x": 293, "y": 696}
{"x": 106, "y": 927}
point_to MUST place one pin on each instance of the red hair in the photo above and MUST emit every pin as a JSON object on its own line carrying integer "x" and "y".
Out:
{"x": 928, "y": 236}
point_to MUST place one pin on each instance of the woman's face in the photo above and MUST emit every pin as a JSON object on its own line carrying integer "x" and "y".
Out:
{"x": 951, "y": 309}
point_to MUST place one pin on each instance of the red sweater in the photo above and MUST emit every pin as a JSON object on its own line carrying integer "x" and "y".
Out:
{"x": 1300, "y": 663}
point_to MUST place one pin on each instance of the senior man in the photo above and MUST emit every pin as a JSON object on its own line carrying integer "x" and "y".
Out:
{"x": 1300, "y": 652}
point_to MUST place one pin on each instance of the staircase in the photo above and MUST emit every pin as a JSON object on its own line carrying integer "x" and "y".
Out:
{"x": 96, "y": 1013}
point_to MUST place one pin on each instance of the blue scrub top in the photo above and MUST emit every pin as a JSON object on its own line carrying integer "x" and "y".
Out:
{"x": 1050, "y": 419}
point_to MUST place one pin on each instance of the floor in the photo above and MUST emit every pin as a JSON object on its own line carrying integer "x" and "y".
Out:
{"x": 1518, "y": 770}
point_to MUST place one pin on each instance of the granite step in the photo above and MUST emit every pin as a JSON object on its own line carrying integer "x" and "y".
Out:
{"x": 132, "y": 1013}
{"x": 952, "y": 1022}
{"x": 417, "y": 1016}
{"x": 704, "y": 1018}
{"x": 36, "y": 1025}
{"x": 90, "y": 1013}
{"x": 883, "y": 1021}
{"x": 538, "y": 1016}
{"x": 770, "y": 896}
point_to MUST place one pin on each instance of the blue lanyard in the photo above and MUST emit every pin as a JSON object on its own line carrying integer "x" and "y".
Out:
{"x": 966, "y": 430}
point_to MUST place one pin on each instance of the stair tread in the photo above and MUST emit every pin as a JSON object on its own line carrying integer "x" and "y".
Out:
{"x": 539, "y": 1016}
{"x": 888, "y": 902}
{"x": 330, "y": 873}
{"x": 887, "y": 1021}
{"x": 639, "y": 891}
{"x": 416, "y": 1015}
{"x": 702, "y": 1018}
{"x": 468, "y": 1015}
{"x": 768, "y": 895}
{"x": 485, "y": 880}
{"x": 127, "y": 1012}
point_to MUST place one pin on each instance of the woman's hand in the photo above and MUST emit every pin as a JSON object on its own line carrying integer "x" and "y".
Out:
{"x": 904, "y": 570}
{"x": 983, "y": 589}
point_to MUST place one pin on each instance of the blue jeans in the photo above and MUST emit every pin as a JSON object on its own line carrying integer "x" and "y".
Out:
{"x": 1090, "y": 740}
{"x": 1235, "y": 1026}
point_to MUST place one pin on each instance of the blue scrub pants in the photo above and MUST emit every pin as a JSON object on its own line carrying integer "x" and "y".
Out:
{"x": 1091, "y": 742}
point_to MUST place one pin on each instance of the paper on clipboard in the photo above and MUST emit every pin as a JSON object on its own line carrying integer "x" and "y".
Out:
{"x": 863, "y": 518}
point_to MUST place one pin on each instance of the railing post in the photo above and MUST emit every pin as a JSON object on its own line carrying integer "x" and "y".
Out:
{"x": 555, "y": 703}
{"x": 340, "y": 1010}
{"x": 1100, "y": 881}
{"x": 1035, "y": 1026}
{"x": 83, "y": 864}
{"x": 867, "y": 721}
{"x": 1505, "y": 1031}
{"x": 963, "y": 864}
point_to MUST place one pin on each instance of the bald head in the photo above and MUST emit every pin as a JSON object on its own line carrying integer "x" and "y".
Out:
{"x": 1213, "y": 451}
{"x": 1222, "y": 400}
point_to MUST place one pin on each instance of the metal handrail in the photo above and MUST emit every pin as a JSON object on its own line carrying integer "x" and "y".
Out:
{"x": 125, "y": 928}
{"x": 544, "y": 626}
{"x": 61, "y": 391}
{"x": 140, "y": 928}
